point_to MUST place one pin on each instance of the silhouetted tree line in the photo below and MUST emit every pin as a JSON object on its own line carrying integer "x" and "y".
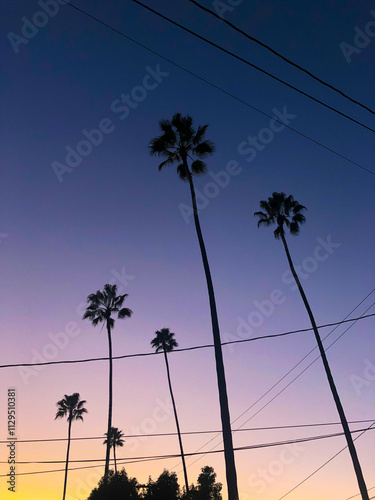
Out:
{"x": 119, "y": 486}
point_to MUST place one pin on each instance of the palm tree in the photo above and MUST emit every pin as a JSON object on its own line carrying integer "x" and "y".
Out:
{"x": 178, "y": 142}
{"x": 165, "y": 342}
{"x": 72, "y": 408}
{"x": 101, "y": 307}
{"x": 116, "y": 439}
{"x": 284, "y": 210}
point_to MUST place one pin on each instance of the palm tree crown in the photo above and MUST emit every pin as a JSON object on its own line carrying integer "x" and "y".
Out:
{"x": 178, "y": 141}
{"x": 281, "y": 209}
{"x": 116, "y": 438}
{"x": 164, "y": 341}
{"x": 71, "y": 406}
{"x": 103, "y": 304}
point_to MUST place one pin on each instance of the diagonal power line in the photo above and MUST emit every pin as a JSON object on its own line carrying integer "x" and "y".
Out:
{"x": 358, "y": 494}
{"x": 195, "y": 75}
{"x": 284, "y": 376}
{"x": 325, "y": 463}
{"x": 252, "y": 65}
{"x": 276, "y": 53}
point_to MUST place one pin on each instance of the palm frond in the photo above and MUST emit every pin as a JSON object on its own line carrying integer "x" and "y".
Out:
{"x": 198, "y": 167}
{"x": 124, "y": 313}
{"x": 199, "y": 135}
{"x": 204, "y": 149}
{"x": 264, "y": 222}
{"x": 297, "y": 208}
{"x": 95, "y": 321}
{"x": 169, "y": 135}
{"x": 294, "y": 228}
{"x": 299, "y": 218}
{"x": 169, "y": 161}
{"x": 160, "y": 146}
{"x": 80, "y": 404}
{"x": 261, "y": 214}
{"x": 288, "y": 204}
{"x": 95, "y": 298}
{"x": 264, "y": 219}
{"x": 184, "y": 127}
{"x": 89, "y": 314}
{"x": 60, "y": 413}
{"x": 265, "y": 206}
{"x": 119, "y": 300}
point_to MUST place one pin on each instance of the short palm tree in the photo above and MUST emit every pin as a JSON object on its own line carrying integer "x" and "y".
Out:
{"x": 178, "y": 143}
{"x": 116, "y": 439}
{"x": 71, "y": 407}
{"x": 102, "y": 305}
{"x": 165, "y": 342}
{"x": 284, "y": 211}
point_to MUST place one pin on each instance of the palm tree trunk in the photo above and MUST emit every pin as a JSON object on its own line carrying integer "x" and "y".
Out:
{"x": 177, "y": 424}
{"x": 114, "y": 456}
{"x": 108, "y": 450}
{"x": 340, "y": 409}
{"x": 67, "y": 458}
{"x": 222, "y": 386}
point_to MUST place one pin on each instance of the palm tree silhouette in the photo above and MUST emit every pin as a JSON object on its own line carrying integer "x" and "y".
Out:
{"x": 165, "y": 342}
{"x": 178, "y": 142}
{"x": 101, "y": 307}
{"x": 116, "y": 439}
{"x": 72, "y": 408}
{"x": 281, "y": 209}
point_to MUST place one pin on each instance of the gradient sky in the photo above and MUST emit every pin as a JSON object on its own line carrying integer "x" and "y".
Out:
{"x": 115, "y": 215}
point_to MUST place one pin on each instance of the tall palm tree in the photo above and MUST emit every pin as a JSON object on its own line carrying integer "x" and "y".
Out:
{"x": 101, "y": 307}
{"x": 284, "y": 210}
{"x": 72, "y": 408}
{"x": 116, "y": 439}
{"x": 165, "y": 342}
{"x": 179, "y": 142}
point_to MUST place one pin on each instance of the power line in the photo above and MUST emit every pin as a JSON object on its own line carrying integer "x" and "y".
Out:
{"x": 160, "y": 457}
{"x": 222, "y": 90}
{"x": 325, "y": 463}
{"x": 193, "y": 348}
{"x": 75, "y": 468}
{"x": 239, "y": 58}
{"x": 282, "y": 378}
{"x": 277, "y": 383}
{"x": 166, "y": 434}
{"x": 276, "y": 53}
{"x": 358, "y": 494}
{"x": 288, "y": 385}
{"x": 307, "y": 367}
